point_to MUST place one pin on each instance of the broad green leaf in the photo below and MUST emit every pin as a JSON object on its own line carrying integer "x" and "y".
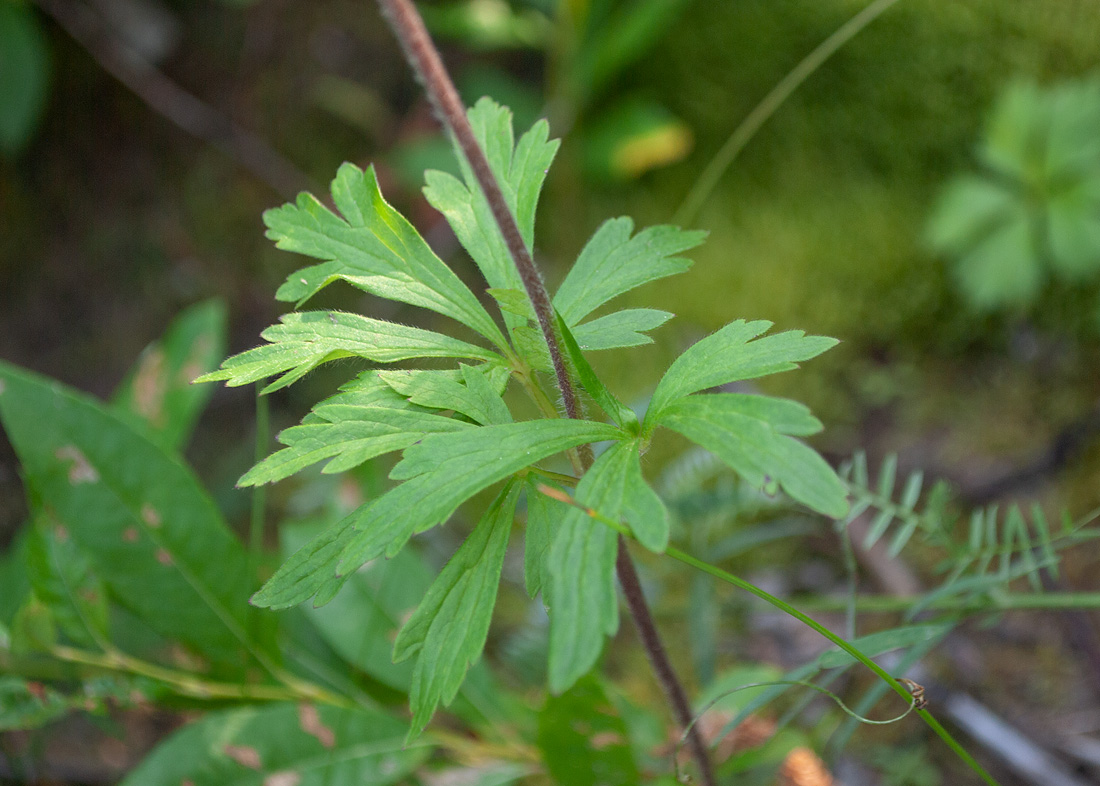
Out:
{"x": 24, "y": 75}
{"x": 626, "y": 328}
{"x": 366, "y": 419}
{"x": 1003, "y": 269}
{"x": 531, "y": 345}
{"x": 753, "y": 434}
{"x": 520, "y": 173}
{"x": 543, "y": 520}
{"x": 154, "y": 536}
{"x": 487, "y": 407}
{"x": 967, "y": 212}
{"x": 515, "y": 302}
{"x": 449, "y": 627}
{"x": 615, "y": 409}
{"x": 306, "y": 339}
{"x": 731, "y": 354}
{"x": 280, "y": 745}
{"x": 444, "y": 470}
{"x": 1073, "y": 231}
{"x": 581, "y": 566}
{"x": 373, "y": 248}
{"x": 613, "y": 262}
{"x": 584, "y": 741}
{"x": 310, "y": 571}
{"x": 63, "y": 578}
{"x": 157, "y": 394}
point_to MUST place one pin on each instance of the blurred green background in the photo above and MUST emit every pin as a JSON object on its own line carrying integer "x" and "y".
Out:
{"x": 121, "y": 204}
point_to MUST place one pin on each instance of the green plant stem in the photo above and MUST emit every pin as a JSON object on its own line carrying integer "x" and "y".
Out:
{"x": 1014, "y": 601}
{"x": 708, "y": 180}
{"x": 427, "y": 65}
{"x": 187, "y": 684}
{"x": 787, "y": 608}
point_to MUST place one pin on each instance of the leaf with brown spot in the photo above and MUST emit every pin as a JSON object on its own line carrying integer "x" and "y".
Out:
{"x": 79, "y": 471}
{"x": 310, "y": 721}
{"x": 274, "y": 744}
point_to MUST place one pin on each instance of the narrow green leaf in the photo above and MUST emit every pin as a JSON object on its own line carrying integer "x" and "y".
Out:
{"x": 543, "y": 520}
{"x": 625, "y": 328}
{"x": 514, "y": 302}
{"x": 877, "y": 643}
{"x": 373, "y": 248}
{"x": 520, "y": 172}
{"x": 612, "y": 262}
{"x": 531, "y": 345}
{"x": 730, "y": 355}
{"x": 753, "y": 434}
{"x": 444, "y": 470}
{"x": 306, "y": 339}
{"x": 282, "y": 744}
{"x": 486, "y": 406}
{"x": 310, "y": 571}
{"x": 153, "y": 534}
{"x": 157, "y": 393}
{"x": 15, "y": 584}
{"x": 24, "y": 75}
{"x": 450, "y": 625}
{"x": 1042, "y": 529}
{"x": 615, "y": 409}
{"x": 365, "y": 420}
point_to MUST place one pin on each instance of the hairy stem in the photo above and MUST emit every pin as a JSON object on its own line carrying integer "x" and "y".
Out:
{"x": 429, "y": 69}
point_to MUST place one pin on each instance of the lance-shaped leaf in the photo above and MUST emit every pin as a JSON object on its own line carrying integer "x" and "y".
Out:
{"x": 372, "y": 247}
{"x": 281, "y": 745}
{"x": 543, "y": 520}
{"x": 310, "y": 571}
{"x": 157, "y": 393}
{"x": 615, "y": 409}
{"x": 613, "y": 263}
{"x": 520, "y": 171}
{"x": 154, "y": 536}
{"x": 450, "y": 625}
{"x": 365, "y": 420}
{"x": 625, "y": 328}
{"x": 754, "y": 435}
{"x": 581, "y": 565}
{"x": 305, "y": 340}
{"x": 730, "y": 355}
{"x": 444, "y": 470}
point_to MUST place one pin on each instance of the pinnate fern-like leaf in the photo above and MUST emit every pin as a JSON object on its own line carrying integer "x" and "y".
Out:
{"x": 449, "y": 627}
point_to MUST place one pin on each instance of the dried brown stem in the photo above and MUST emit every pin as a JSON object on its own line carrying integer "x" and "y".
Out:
{"x": 429, "y": 69}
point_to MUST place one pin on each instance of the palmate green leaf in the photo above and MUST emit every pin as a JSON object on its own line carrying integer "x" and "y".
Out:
{"x": 157, "y": 393}
{"x": 306, "y": 339}
{"x": 373, "y": 248}
{"x": 444, "y": 470}
{"x": 154, "y": 536}
{"x": 581, "y": 564}
{"x": 753, "y": 434}
{"x": 612, "y": 262}
{"x": 280, "y": 745}
{"x": 625, "y": 328}
{"x": 520, "y": 171}
{"x": 366, "y": 419}
{"x": 729, "y": 355}
{"x": 449, "y": 627}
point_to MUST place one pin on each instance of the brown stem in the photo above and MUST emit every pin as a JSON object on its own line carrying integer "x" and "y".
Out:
{"x": 429, "y": 69}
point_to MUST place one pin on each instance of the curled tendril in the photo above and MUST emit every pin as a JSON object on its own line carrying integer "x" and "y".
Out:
{"x": 916, "y": 690}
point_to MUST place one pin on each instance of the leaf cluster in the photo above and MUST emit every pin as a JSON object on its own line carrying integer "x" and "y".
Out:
{"x": 454, "y": 426}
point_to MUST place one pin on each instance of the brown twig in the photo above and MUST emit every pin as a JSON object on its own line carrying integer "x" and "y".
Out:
{"x": 168, "y": 99}
{"x": 429, "y": 69}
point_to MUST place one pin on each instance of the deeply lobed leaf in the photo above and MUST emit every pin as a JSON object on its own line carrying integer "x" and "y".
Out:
{"x": 373, "y": 248}
{"x": 449, "y": 628}
{"x": 754, "y": 435}
{"x": 613, "y": 262}
{"x": 305, "y": 340}
{"x": 730, "y": 355}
